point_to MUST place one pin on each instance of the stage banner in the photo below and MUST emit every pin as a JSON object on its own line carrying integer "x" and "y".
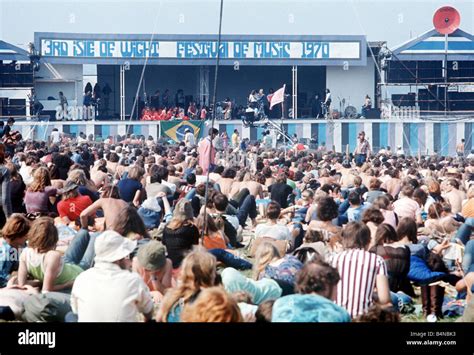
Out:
{"x": 175, "y": 129}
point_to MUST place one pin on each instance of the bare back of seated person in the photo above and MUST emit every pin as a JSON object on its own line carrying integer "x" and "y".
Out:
{"x": 111, "y": 208}
{"x": 254, "y": 188}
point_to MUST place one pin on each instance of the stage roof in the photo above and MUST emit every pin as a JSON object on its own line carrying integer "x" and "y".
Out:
{"x": 431, "y": 46}
{"x": 10, "y": 52}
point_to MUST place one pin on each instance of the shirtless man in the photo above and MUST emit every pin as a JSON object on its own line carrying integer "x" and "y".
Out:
{"x": 394, "y": 184}
{"x": 226, "y": 181}
{"x": 460, "y": 148}
{"x": 454, "y": 196}
{"x": 254, "y": 187}
{"x": 110, "y": 203}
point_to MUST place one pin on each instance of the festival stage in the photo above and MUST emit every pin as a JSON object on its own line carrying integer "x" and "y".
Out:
{"x": 414, "y": 135}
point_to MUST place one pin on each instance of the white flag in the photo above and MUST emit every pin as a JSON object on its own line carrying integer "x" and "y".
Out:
{"x": 278, "y": 97}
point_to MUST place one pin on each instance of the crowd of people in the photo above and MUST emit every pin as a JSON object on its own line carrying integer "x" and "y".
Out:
{"x": 145, "y": 231}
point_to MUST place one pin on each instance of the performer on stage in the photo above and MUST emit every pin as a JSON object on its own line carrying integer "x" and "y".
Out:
{"x": 367, "y": 106}
{"x": 327, "y": 103}
{"x": 362, "y": 150}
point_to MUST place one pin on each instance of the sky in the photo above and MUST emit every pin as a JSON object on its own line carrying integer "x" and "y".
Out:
{"x": 383, "y": 20}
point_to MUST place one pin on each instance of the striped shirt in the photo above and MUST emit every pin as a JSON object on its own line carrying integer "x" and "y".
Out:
{"x": 358, "y": 270}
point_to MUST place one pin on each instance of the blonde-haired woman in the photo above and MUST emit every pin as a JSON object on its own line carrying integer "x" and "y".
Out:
{"x": 270, "y": 264}
{"x": 198, "y": 272}
{"x": 213, "y": 305}
{"x": 180, "y": 234}
{"x": 38, "y": 193}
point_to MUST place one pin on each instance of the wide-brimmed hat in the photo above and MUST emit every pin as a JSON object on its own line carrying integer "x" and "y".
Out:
{"x": 111, "y": 246}
{"x": 69, "y": 186}
{"x": 152, "y": 255}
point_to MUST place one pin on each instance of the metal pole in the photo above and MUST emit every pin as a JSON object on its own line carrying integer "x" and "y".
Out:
{"x": 296, "y": 93}
{"x": 121, "y": 93}
{"x": 293, "y": 83}
{"x": 214, "y": 99}
{"x": 445, "y": 74}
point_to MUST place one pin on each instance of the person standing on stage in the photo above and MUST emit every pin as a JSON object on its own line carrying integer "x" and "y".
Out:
{"x": 327, "y": 103}
{"x": 63, "y": 102}
{"x": 362, "y": 151}
{"x": 316, "y": 106}
{"x": 367, "y": 106}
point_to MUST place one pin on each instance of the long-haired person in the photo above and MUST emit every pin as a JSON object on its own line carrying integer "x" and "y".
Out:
{"x": 37, "y": 197}
{"x": 42, "y": 262}
{"x": 270, "y": 264}
{"x": 17, "y": 189}
{"x": 180, "y": 234}
{"x": 198, "y": 272}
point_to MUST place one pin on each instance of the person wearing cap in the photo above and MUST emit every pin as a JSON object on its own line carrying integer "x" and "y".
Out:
{"x": 72, "y": 203}
{"x": 362, "y": 150}
{"x": 109, "y": 292}
{"x": 154, "y": 268}
{"x": 189, "y": 138}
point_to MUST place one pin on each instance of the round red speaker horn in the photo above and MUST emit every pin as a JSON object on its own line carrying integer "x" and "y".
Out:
{"x": 446, "y": 20}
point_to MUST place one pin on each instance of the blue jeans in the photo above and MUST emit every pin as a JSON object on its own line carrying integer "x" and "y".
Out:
{"x": 248, "y": 208}
{"x": 71, "y": 317}
{"x": 465, "y": 230}
{"x": 399, "y": 299}
{"x": 360, "y": 158}
{"x": 230, "y": 260}
{"x": 81, "y": 251}
{"x": 468, "y": 259}
{"x": 300, "y": 237}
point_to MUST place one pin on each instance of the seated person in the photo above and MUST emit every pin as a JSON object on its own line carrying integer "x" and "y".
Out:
{"x": 154, "y": 267}
{"x": 14, "y": 235}
{"x": 42, "y": 263}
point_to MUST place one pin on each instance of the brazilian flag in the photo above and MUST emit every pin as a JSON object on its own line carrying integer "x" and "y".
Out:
{"x": 176, "y": 129}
